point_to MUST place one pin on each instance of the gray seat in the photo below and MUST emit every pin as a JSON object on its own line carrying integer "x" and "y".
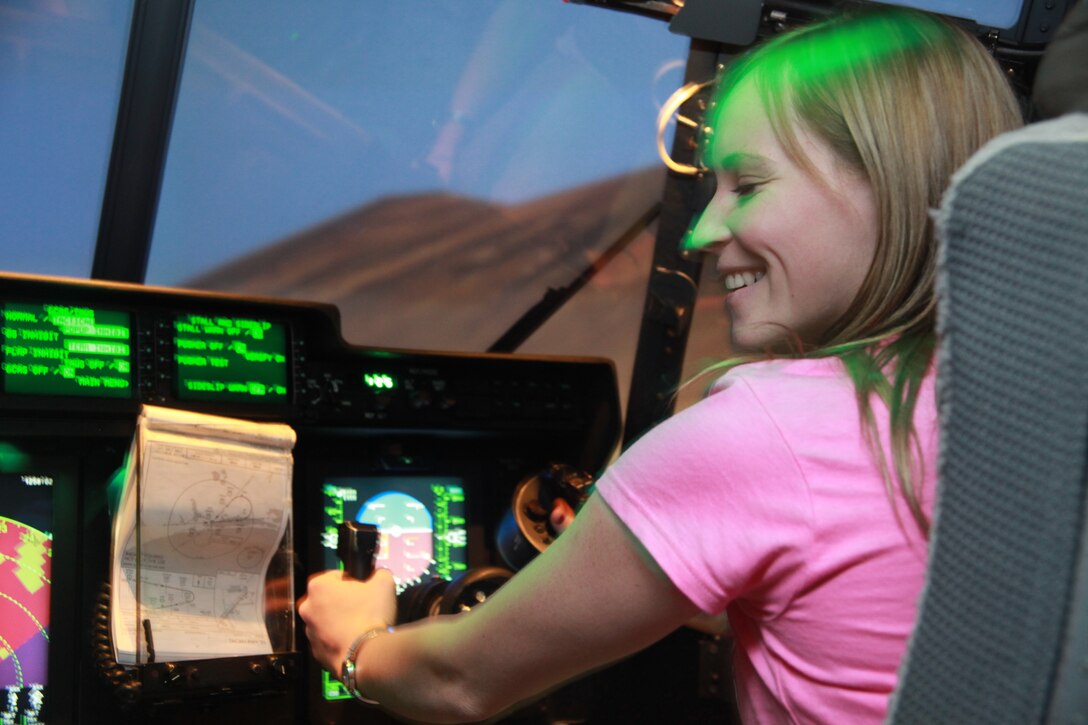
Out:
{"x": 1002, "y": 634}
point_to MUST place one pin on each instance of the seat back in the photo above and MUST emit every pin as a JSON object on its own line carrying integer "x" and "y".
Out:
{"x": 1002, "y": 634}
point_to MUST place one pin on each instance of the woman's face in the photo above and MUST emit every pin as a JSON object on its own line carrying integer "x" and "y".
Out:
{"x": 792, "y": 249}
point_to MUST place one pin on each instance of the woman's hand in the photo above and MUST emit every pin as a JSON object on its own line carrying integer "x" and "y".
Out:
{"x": 524, "y": 641}
{"x": 337, "y": 609}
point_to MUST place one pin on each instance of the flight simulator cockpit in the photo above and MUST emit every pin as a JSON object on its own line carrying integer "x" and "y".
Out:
{"x": 272, "y": 273}
{"x": 429, "y": 447}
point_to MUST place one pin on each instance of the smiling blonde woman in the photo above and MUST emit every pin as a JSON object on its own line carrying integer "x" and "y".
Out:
{"x": 771, "y": 499}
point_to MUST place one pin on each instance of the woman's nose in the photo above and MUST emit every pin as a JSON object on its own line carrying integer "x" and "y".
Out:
{"x": 709, "y": 233}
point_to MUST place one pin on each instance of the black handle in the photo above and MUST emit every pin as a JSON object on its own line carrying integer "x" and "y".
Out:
{"x": 357, "y": 547}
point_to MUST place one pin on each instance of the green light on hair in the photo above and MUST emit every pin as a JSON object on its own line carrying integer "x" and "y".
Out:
{"x": 796, "y": 69}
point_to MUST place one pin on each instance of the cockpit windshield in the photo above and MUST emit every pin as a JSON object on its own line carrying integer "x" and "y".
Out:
{"x": 432, "y": 168}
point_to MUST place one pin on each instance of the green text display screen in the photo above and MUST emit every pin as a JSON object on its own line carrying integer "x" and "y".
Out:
{"x": 66, "y": 350}
{"x": 230, "y": 359}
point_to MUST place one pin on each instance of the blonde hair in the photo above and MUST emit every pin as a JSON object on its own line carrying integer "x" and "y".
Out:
{"x": 903, "y": 98}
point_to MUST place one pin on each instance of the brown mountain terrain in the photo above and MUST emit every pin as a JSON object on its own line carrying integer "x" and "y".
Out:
{"x": 439, "y": 271}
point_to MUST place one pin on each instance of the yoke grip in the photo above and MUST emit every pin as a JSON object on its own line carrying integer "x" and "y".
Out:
{"x": 357, "y": 547}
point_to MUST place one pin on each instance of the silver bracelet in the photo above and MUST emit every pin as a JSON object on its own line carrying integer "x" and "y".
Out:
{"x": 347, "y": 670}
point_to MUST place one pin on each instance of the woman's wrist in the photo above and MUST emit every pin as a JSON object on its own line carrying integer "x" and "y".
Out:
{"x": 349, "y": 669}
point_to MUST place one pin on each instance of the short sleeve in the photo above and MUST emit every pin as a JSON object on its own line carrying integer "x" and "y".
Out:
{"x": 718, "y": 499}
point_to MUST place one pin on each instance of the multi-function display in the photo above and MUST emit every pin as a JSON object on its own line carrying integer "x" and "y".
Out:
{"x": 53, "y": 349}
{"x": 232, "y": 359}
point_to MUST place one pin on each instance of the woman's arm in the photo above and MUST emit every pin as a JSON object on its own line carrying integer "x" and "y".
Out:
{"x": 562, "y": 516}
{"x": 592, "y": 597}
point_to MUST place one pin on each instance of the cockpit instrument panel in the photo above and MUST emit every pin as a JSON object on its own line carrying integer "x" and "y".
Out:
{"x": 77, "y": 345}
{"x": 425, "y": 445}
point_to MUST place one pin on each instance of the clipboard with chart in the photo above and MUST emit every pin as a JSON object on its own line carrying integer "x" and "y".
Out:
{"x": 204, "y": 512}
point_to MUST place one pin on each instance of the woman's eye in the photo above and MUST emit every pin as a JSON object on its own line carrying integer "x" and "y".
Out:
{"x": 746, "y": 189}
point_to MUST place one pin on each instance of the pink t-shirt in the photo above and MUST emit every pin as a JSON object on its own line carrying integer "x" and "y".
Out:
{"x": 764, "y": 500}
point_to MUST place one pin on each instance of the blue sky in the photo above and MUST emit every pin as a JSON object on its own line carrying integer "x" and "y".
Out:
{"x": 291, "y": 113}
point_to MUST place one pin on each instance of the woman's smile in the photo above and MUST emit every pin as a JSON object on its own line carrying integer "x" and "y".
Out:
{"x": 739, "y": 280}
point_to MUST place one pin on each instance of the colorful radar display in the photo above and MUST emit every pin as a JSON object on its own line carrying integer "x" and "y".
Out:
{"x": 26, "y": 552}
